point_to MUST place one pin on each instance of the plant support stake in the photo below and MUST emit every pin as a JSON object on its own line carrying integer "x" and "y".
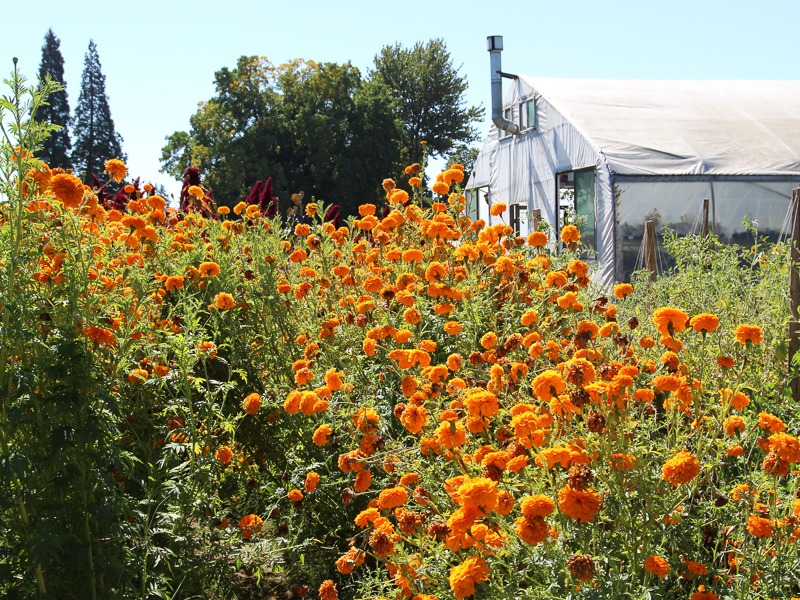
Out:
{"x": 794, "y": 292}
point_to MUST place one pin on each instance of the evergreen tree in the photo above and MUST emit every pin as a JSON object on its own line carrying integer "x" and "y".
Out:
{"x": 95, "y": 138}
{"x": 55, "y": 150}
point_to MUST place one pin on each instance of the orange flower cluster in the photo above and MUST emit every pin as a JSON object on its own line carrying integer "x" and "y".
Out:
{"x": 458, "y": 381}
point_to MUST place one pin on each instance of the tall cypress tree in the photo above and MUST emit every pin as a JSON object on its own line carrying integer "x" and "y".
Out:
{"x": 55, "y": 150}
{"x": 95, "y": 138}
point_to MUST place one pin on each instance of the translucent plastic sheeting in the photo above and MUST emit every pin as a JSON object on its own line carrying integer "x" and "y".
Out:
{"x": 684, "y": 127}
{"x": 678, "y": 205}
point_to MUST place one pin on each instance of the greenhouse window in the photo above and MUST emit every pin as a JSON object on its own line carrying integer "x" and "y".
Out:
{"x": 576, "y": 199}
{"x": 527, "y": 114}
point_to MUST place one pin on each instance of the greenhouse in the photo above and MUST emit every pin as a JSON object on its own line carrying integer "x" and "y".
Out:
{"x": 618, "y": 153}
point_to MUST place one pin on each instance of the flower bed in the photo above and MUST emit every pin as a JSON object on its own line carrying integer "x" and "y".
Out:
{"x": 414, "y": 405}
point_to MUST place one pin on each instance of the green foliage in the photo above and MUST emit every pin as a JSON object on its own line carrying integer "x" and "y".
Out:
{"x": 430, "y": 95}
{"x": 738, "y": 284}
{"x": 464, "y": 155}
{"x": 322, "y": 128}
{"x": 316, "y": 128}
{"x": 96, "y": 141}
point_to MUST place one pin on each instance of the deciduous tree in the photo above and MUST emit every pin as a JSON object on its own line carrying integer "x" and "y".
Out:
{"x": 316, "y": 128}
{"x": 430, "y": 96}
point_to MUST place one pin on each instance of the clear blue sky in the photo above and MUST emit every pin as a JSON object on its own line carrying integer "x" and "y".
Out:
{"x": 159, "y": 58}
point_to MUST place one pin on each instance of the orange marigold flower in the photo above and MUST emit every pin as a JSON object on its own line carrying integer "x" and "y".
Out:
{"x": 312, "y": 479}
{"x": 208, "y": 269}
{"x": 328, "y": 591}
{"x": 349, "y": 560}
{"x": 770, "y": 422}
{"x": 489, "y": 340}
{"x": 250, "y": 525}
{"x": 116, "y": 169}
{"x": 667, "y": 383}
{"x": 100, "y": 335}
{"x": 479, "y": 493}
{"x": 252, "y": 403}
{"x": 464, "y": 576}
{"x": 785, "y": 446}
{"x": 759, "y": 526}
{"x": 647, "y": 342}
{"x": 295, "y": 495}
{"x": 365, "y": 419}
{"x": 726, "y": 362}
{"x": 481, "y": 403}
{"x": 452, "y": 175}
{"x": 498, "y": 208}
{"x": 453, "y": 328}
{"x": 532, "y": 531}
{"x": 749, "y": 334}
{"x": 321, "y": 433}
{"x": 737, "y": 400}
{"x": 548, "y": 385}
{"x": 623, "y": 289}
{"x": 537, "y": 239}
{"x": 681, "y": 468}
{"x": 197, "y": 192}
{"x": 537, "y": 506}
{"x": 670, "y": 320}
{"x": 704, "y": 323}
{"x": 581, "y": 505}
{"x": 398, "y": 197}
{"x": 392, "y": 497}
{"x": 412, "y": 316}
{"x": 412, "y": 255}
{"x": 67, "y": 188}
{"x": 224, "y": 301}
{"x": 570, "y": 234}
{"x": 695, "y": 568}
{"x": 735, "y": 452}
{"x": 734, "y": 424}
{"x": 174, "y": 282}
{"x": 704, "y": 595}
{"x": 366, "y": 209}
{"x": 224, "y": 455}
{"x": 657, "y": 566}
{"x": 138, "y": 375}
{"x": 414, "y": 418}
{"x": 363, "y": 480}
{"x": 440, "y": 187}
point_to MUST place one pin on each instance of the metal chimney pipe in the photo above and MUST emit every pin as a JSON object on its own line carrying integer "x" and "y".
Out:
{"x": 494, "y": 44}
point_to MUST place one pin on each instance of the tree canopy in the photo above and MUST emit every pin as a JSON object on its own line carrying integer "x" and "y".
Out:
{"x": 430, "y": 96}
{"x": 319, "y": 128}
{"x": 56, "y": 149}
{"x": 322, "y": 128}
{"x": 96, "y": 141}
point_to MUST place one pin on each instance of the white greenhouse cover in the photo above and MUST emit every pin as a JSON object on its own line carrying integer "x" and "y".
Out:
{"x": 683, "y": 127}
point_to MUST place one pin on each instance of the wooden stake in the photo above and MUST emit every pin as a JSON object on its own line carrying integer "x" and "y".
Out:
{"x": 705, "y": 217}
{"x": 650, "y": 241}
{"x": 794, "y": 291}
{"x": 537, "y": 216}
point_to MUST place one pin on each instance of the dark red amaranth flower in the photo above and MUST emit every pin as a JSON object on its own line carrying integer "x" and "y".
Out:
{"x": 267, "y": 202}
{"x": 333, "y": 215}
{"x": 191, "y": 176}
